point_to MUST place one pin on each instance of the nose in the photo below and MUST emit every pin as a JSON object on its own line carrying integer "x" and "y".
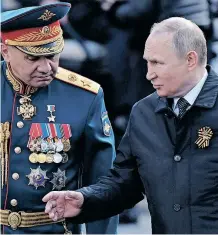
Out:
{"x": 151, "y": 75}
{"x": 44, "y": 65}
{"x": 150, "y": 72}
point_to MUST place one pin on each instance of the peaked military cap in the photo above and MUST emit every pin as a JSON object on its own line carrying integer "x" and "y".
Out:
{"x": 35, "y": 30}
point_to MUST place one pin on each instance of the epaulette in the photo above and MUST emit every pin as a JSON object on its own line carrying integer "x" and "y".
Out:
{"x": 77, "y": 80}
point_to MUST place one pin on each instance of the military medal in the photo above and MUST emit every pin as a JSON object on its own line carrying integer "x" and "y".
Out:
{"x": 41, "y": 158}
{"x": 58, "y": 180}
{"x": 49, "y": 158}
{"x": 51, "y": 146}
{"x": 204, "y": 136}
{"x": 37, "y": 177}
{"x": 44, "y": 146}
{"x": 66, "y": 145}
{"x": 57, "y": 158}
{"x": 52, "y": 135}
{"x": 35, "y": 134}
{"x": 33, "y": 158}
{"x": 64, "y": 157}
{"x": 26, "y": 109}
{"x": 65, "y": 129}
{"x": 35, "y": 145}
{"x": 51, "y": 109}
{"x": 59, "y": 145}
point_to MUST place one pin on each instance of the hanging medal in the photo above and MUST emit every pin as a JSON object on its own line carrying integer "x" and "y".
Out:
{"x": 45, "y": 134}
{"x": 34, "y": 143}
{"x": 65, "y": 128}
{"x": 58, "y": 142}
{"x": 51, "y": 145}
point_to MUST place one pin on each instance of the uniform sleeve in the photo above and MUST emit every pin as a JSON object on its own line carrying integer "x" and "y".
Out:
{"x": 99, "y": 156}
{"x": 121, "y": 189}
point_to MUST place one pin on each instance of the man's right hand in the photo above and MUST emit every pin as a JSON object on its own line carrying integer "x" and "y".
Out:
{"x": 63, "y": 204}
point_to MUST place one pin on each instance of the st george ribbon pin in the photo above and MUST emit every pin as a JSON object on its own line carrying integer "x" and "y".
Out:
{"x": 204, "y": 136}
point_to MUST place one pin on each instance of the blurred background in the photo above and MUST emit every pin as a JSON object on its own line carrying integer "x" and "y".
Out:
{"x": 104, "y": 41}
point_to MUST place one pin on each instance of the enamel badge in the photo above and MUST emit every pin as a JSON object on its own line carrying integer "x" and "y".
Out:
{"x": 37, "y": 177}
{"x": 204, "y": 136}
{"x": 106, "y": 124}
{"x": 58, "y": 180}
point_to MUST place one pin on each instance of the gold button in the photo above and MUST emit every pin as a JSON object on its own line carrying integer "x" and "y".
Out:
{"x": 17, "y": 150}
{"x": 13, "y": 202}
{"x": 15, "y": 176}
{"x": 20, "y": 124}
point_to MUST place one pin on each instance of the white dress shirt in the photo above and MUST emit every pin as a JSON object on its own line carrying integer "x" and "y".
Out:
{"x": 192, "y": 95}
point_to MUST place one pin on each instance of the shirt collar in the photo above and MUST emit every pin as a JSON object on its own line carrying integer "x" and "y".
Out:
{"x": 192, "y": 95}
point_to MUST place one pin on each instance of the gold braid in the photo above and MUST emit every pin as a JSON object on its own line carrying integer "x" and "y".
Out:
{"x": 2, "y": 153}
{"x": 7, "y": 136}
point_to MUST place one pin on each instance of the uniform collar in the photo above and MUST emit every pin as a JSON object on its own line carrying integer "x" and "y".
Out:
{"x": 17, "y": 84}
{"x": 206, "y": 98}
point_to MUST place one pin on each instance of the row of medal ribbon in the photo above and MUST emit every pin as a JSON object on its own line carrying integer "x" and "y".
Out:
{"x": 49, "y": 142}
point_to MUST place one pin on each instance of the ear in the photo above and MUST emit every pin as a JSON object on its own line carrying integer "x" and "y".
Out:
{"x": 192, "y": 60}
{"x": 5, "y": 52}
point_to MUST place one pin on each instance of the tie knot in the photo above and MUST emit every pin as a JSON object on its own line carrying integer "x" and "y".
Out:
{"x": 183, "y": 104}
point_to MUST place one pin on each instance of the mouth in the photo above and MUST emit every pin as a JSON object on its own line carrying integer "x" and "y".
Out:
{"x": 157, "y": 86}
{"x": 44, "y": 78}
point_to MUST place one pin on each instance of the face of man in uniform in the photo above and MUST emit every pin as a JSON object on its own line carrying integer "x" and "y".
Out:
{"x": 168, "y": 73}
{"x": 35, "y": 71}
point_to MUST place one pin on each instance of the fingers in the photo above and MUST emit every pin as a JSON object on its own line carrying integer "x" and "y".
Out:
{"x": 50, "y": 205}
{"x": 53, "y": 214}
{"x": 51, "y": 196}
{"x": 51, "y": 209}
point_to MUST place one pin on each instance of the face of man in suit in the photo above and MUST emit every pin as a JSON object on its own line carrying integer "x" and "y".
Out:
{"x": 170, "y": 74}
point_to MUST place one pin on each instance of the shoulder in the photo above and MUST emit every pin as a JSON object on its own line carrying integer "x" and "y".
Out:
{"x": 75, "y": 79}
{"x": 149, "y": 102}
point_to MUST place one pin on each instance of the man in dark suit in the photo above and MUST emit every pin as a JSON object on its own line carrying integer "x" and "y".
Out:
{"x": 169, "y": 150}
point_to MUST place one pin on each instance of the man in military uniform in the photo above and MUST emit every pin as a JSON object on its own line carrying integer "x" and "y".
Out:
{"x": 55, "y": 131}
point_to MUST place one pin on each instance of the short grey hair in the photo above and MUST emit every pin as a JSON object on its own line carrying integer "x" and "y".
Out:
{"x": 187, "y": 36}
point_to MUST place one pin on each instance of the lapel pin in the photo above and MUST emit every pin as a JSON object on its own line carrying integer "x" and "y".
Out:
{"x": 204, "y": 136}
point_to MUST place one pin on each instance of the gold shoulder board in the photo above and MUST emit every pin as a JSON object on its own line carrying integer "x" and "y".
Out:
{"x": 77, "y": 80}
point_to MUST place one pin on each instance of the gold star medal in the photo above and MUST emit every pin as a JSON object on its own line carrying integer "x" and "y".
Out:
{"x": 204, "y": 136}
{"x": 51, "y": 109}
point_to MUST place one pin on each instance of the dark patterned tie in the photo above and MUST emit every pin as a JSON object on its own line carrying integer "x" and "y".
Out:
{"x": 183, "y": 104}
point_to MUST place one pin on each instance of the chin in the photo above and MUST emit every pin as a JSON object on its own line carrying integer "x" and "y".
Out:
{"x": 41, "y": 83}
{"x": 162, "y": 93}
